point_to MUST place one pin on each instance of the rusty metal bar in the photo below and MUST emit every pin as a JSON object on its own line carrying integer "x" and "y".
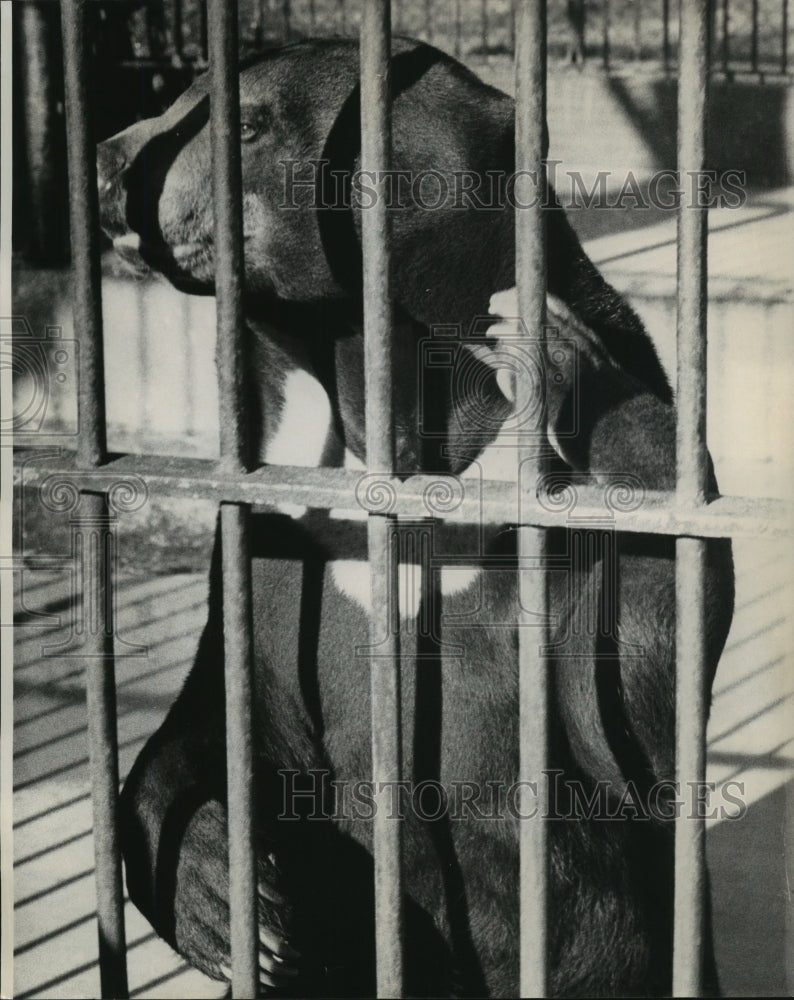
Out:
{"x": 484, "y": 501}
{"x": 228, "y": 243}
{"x": 238, "y": 656}
{"x": 691, "y": 717}
{"x": 429, "y": 20}
{"x": 203, "y": 36}
{"x": 237, "y": 631}
{"x": 691, "y": 486}
{"x": 94, "y": 542}
{"x": 754, "y": 38}
{"x": 177, "y": 30}
{"x": 530, "y": 70}
{"x": 40, "y": 82}
{"x": 84, "y": 227}
{"x": 385, "y": 668}
{"x": 692, "y": 232}
{"x": 92, "y": 450}
{"x": 726, "y": 35}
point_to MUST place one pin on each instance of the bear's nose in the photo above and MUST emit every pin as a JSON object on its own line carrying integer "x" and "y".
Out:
{"x": 110, "y": 161}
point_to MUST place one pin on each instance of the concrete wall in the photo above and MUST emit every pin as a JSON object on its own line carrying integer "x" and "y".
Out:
{"x": 627, "y": 121}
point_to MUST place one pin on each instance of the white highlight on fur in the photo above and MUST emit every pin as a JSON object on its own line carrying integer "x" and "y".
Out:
{"x": 352, "y": 577}
{"x": 303, "y": 428}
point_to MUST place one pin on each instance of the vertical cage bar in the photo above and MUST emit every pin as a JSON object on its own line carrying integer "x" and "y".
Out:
{"x": 533, "y": 680}
{"x": 178, "y": 29}
{"x": 95, "y": 543}
{"x": 458, "y": 28}
{"x": 203, "y": 31}
{"x": 238, "y": 639}
{"x": 692, "y": 232}
{"x": 84, "y": 229}
{"x": 691, "y": 716}
{"x": 429, "y": 20}
{"x": 92, "y": 450}
{"x": 385, "y": 667}
{"x": 754, "y": 37}
{"x": 666, "y": 35}
{"x": 726, "y": 36}
{"x": 784, "y": 38}
{"x": 605, "y": 25}
{"x": 46, "y": 235}
{"x": 691, "y": 461}
{"x": 228, "y": 255}
{"x": 238, "y": 655}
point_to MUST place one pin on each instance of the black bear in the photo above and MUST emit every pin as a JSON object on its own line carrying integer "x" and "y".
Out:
{"x": 610, "y": 416}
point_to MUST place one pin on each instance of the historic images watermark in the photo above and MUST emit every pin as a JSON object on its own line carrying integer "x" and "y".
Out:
{"x": 315, "y": 795}
{"x": 316, "y": 184}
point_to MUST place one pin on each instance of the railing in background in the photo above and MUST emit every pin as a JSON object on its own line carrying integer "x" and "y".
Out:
{"x": 753, "y": 35}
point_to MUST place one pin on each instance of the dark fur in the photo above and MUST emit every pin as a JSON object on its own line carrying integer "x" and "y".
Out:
{"x": 612, "y": 719}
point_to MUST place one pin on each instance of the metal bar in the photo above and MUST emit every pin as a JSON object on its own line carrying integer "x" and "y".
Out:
{"x": 429, "y": 20}
{"x": 341, "y": 6}
{"x": 666, "y": 34}
{"x": 691, "y": 717}
{"x": 228, "y": 243}
{"x": 384, "y": 669}
{"x": 692, "y": 232}
{"x": 530, "y": 70}
{"x": 691, "y": 486}
{"x": 40, "y": 84}
{"x": 484, "y": 501}
{"x": 726, "y": 36}
{"x": 754, "y": 37}
{"x": 784, "y": 38}
{"x": 238, "y": 657}
{"x": 237, "y": 631}
{"x": 94, "y": 543}
{"x": 177, "y": 29}
{"x": 605, "y": 42}
{"x": 92, "y": 450}
{"x": 84, "y": 227}
{"x": 458, "y": 28}
{"x": 203, "y": 38}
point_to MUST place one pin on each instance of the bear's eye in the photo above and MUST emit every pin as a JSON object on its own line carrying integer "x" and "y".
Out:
{"x": 248, "y": 131}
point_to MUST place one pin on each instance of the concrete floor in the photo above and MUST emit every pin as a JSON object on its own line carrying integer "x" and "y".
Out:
{"x": 751, "y": 740}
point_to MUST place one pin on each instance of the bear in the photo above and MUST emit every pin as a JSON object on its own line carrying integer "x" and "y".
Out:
{"x": 610, "y": 415}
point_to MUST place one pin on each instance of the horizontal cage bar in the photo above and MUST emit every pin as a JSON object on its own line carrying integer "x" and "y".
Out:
{"x": 346, "y": 491}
